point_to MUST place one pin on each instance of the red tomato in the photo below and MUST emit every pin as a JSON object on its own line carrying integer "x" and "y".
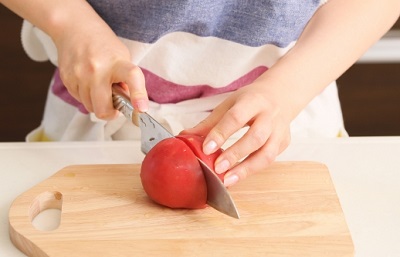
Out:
{"x": 171, "y": 174}
{"x": 196, "y": 144}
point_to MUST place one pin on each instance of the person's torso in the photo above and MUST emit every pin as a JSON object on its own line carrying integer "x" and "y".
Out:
{"x": 196, "y": 48}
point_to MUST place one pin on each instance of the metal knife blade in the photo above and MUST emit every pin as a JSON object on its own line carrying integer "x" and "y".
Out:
{"x": 153, "y": 132}
{"x": 218, "y": 196}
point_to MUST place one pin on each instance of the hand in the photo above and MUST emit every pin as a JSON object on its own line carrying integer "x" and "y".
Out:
{"x": 92, "y": 58}
{"x": 268, "y": 134}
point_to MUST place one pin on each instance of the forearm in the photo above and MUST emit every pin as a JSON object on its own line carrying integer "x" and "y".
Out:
{"x": 337, "y": 35}
{"x": 57, "y": 18}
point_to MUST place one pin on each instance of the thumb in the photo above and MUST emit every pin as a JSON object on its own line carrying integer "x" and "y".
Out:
{"x": 131, "y": 78}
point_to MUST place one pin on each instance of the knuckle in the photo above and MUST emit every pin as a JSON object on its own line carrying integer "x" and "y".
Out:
{"x": 66, "y": 78}
{"x": 235, "y": 117}
{"x": 203, "y": 125}
{"x": 243, "y": 172}
{"x": 269, "y": 156}
{"x": 135, "y": 72}
{"x": 259, "y": 137}
{"x": 255, "y": 98}
{"x": 93, "y": 67}
{"x": 218, "y": 135}
{"x": 233, "y": 155}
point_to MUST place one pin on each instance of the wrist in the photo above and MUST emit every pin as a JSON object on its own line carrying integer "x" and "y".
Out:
{"x": 282, "y": 95}
{"x": 68, "y": 19}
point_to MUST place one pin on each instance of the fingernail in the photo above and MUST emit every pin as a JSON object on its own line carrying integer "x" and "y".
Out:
{"x": 231, "y": 180}
{"x": 142, "y": 106}
{"x": 210, "y": 147}
{"x": 222, "y": 166}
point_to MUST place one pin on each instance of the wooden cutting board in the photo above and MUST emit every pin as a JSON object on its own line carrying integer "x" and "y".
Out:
{"x": 290, "y": 209}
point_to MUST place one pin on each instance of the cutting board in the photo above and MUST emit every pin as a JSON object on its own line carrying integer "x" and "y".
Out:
{"x": 290, "y": 209}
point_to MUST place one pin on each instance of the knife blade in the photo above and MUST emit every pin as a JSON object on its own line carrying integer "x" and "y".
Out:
{"x": 153, "y": 132}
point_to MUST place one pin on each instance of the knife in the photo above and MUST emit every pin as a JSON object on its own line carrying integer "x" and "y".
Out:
{"x": 153, "y": 132}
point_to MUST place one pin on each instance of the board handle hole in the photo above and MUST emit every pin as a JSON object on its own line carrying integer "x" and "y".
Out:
{"x": 45, "y": 211}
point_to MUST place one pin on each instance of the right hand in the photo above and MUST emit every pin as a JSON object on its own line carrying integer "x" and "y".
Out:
{"x": 91, "y": 58}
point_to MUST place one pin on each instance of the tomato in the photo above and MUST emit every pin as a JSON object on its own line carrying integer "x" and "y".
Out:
{"x": 196, "y": 144}
{"x": 172, "y": 176}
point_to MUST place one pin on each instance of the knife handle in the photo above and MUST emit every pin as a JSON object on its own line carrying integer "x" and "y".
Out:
{"x": 122, "y": 102}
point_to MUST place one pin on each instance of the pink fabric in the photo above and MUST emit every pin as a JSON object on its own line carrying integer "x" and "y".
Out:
{"x": 163, "y": 91}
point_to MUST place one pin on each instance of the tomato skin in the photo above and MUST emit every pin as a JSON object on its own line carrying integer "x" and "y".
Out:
{"x": 172, "y": 176}
{"x": 195, "y": 143}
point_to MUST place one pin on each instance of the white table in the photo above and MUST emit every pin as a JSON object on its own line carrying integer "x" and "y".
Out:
{"x": 365, "y": 172}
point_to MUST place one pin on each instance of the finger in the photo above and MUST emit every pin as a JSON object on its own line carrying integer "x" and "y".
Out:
{"x": 234, "y": 119}
{"x": 101, "y": 95}
{"x": 70, "y": 84}
{"x": 129, "y": 77}
{"x": 260, "y": 159}
{"x": 77, "y": 87}
{"x": 100, "y": 92}
{"x": 132, "y": 77}
{"x": 74, "y": 92}
{"x": 252, "y": 140}
{"x": 85, "y": 98}
{"x": 256, "y": 161}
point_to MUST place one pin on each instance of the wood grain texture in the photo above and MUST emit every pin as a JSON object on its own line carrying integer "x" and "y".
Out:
{"x": 291, "y": 209}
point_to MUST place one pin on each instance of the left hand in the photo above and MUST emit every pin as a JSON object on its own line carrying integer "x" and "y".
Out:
{"x": 268, "y": 134}
{"x": 270, "y": 103}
